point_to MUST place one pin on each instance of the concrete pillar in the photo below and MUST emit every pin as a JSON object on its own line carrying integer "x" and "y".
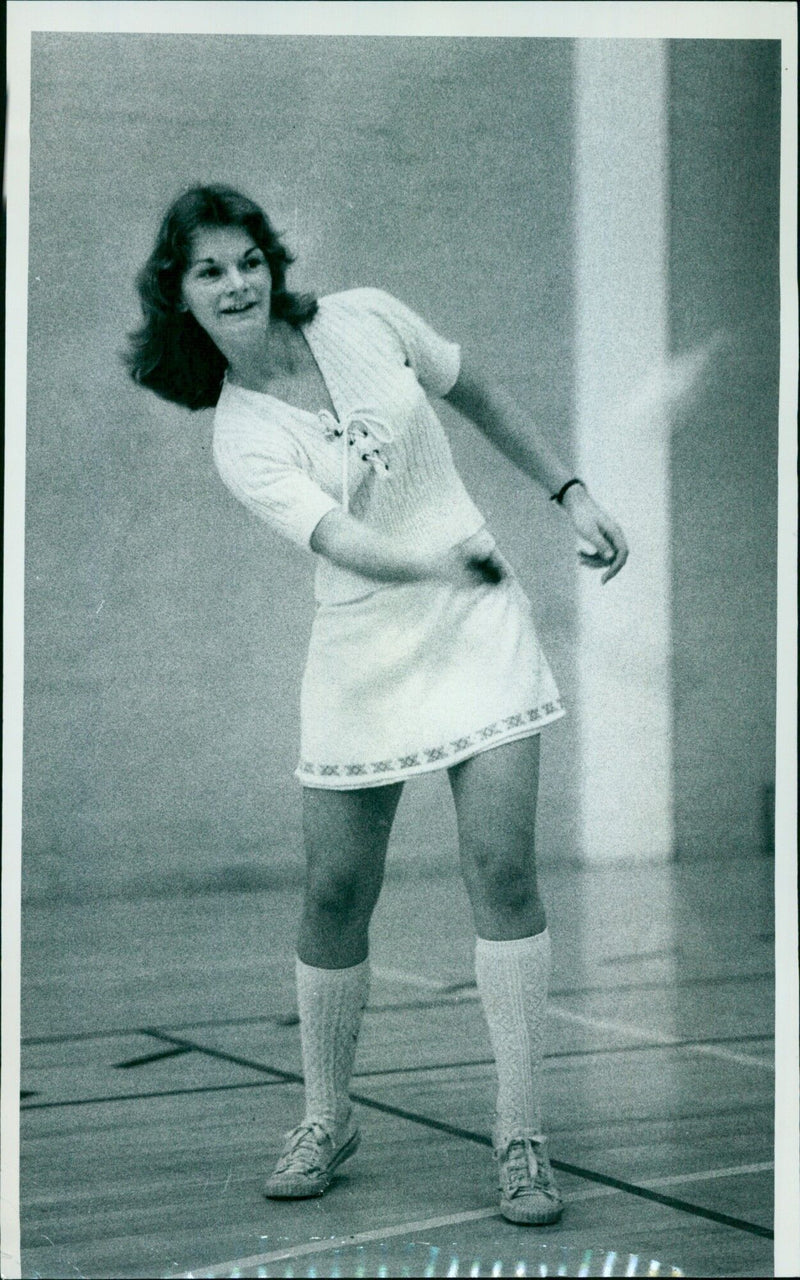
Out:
{"x": 622, "y": 445}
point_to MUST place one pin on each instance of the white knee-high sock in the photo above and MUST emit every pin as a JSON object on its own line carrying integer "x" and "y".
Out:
{"x": 513, "y": 977}
{"x": 331, "y": 1003}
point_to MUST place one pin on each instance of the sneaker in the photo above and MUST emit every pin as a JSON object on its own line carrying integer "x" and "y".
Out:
{"x": 308, "y": 1160}
{"x": 528, "y": 1193}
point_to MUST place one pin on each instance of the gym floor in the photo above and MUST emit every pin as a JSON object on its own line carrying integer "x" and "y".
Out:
{"x": 161, "y": 1067}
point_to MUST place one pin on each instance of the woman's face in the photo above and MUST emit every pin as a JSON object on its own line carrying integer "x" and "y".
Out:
{"x": 227, "y": 284}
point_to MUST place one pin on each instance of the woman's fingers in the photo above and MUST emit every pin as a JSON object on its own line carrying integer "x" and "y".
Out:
{"x": 611, "y": 551}
{"x": 471, "y": 567}
{"x": 620, "y": 553}
{"x": 608, "y": 548}
{"x": 487, "y": 568}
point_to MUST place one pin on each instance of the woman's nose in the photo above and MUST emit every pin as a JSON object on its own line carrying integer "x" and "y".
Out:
{"x": 235, "y": 278}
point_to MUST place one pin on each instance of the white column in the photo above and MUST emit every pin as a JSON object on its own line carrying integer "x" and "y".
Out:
{"x": 622, "y": 445}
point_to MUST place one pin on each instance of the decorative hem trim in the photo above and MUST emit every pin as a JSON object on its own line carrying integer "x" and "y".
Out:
{"x": 380, "y": 773}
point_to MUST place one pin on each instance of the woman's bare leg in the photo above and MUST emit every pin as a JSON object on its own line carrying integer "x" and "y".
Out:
{"x": 346, "y": 834}
{"x": 495, "y": 795}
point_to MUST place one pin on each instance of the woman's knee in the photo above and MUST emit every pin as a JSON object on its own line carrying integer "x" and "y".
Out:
{"x": 506, "y": 882}
{"x": 338, "y": 895}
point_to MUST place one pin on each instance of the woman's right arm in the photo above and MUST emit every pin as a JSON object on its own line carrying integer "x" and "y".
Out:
{"x": 351, "y": 545}
{"x": 275, "y": 484}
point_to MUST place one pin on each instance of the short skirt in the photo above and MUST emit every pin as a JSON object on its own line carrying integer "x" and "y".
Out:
{"x": 418, "y": 676}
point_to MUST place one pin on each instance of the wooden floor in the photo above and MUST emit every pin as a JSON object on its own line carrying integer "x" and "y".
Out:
{"x": 161, "y": 1066}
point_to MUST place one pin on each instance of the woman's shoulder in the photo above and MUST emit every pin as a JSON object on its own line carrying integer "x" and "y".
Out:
{"x": 363, "y": 300}
{"x": 246, "y": 419}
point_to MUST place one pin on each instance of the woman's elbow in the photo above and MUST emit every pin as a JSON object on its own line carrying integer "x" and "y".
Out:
{"x": 471, "y": 392}
{"x": 326, "y": 538}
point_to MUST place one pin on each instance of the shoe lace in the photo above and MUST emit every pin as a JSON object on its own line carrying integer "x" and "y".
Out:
{"x": 302, "y": 1153}
{"x": 526, "y": 1168}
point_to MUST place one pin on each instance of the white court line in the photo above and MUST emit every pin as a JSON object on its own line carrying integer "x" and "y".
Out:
{"x": 625, "y": 1028}
{"x": 704, "y": 1175}
{"x": 412, "y": 979}
{"x": 599, "y": 1024}
{"x": 363, "y": 1237}
{"x": 454, "y": 1219}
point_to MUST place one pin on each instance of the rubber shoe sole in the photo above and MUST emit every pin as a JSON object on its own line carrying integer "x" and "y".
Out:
{"x": 302, "y": 1186}
{"x": 532, "y": 1211}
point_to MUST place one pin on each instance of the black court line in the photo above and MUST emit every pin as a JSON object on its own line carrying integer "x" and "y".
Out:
{"x": 175, "y": 1052}
{"x": 157, "y": 1093}
{"x": 715, "y": 980}
{"x": 245, "y": 1084}
{"x": 369, "y": 1075}
{"x": 271, "y": 1020}
{"x": 430, "y": 1123}
{"x": 446, "y": 1001}
{"x": 589, "y": 1175}
{"x": 676, "y": 984}
{"x": 649, "y": 1045}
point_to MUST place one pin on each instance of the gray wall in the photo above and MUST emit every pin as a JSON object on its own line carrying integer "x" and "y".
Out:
{"x": 724, "y": 181}
{"x": 165, "y": 627}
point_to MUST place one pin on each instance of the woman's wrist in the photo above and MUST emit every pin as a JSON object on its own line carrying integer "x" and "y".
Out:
{"x": 566, "y": 492}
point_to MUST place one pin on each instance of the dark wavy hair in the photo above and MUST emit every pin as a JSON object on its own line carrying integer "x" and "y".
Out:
{"x": 171, "y": 354}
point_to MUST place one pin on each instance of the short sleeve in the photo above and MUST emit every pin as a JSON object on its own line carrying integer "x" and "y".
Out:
{"x": 271, "y": 482}
{"x": 435, "y": 360}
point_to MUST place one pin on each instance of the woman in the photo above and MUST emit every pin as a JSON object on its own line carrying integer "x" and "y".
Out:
{"x": 423, "y": 653}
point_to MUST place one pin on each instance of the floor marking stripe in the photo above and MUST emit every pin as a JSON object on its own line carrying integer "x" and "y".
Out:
{"x": 746, "y": 1059}
{"x": 469, "y": 1135}
{"x": 147, "y": 1058}
{"x": 156, "y": 1093}
{"x": 268, "y": 1019}
{"x": 411, "y": 979}
{"x": 706, "y": 1175}
{"x": 626, "y": 1028}
{"x": 433, "y": 1224}
{"x": 671, "y": 1202}
{"x": 465, "y": 989}
{"x": 363, "y": 1237}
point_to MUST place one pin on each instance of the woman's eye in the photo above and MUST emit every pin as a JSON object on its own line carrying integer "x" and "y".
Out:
{"x": 252, "y": 263}
{"x": 208, "y": 273}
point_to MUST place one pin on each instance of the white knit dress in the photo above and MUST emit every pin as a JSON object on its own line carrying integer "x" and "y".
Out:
{"x": 401, "y": 678}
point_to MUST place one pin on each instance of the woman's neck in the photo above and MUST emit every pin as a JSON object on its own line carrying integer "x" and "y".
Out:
{"x": 270, "y": 356}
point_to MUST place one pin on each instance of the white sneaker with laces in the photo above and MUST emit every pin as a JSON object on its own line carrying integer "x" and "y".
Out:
{"x": 528, "y": 1193}
{"x": 310, "y": 1156}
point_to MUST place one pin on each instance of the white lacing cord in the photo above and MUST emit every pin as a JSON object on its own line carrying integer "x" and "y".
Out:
{"x": 373, "y": 426}
{"x": 345, "y": 466}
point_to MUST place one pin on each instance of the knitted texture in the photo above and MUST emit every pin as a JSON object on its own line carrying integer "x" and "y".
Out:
{"x": 513, "y": 977}
{"x": 331, "y": 1003}
{"x": 281, "y": 462}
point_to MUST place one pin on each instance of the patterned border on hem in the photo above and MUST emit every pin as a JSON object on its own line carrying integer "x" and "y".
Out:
{"x": 382, "y": 772}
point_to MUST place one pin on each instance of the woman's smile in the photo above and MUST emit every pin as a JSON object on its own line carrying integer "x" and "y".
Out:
{"x": 237, "y": 308}
{"x": 227, "y": 281}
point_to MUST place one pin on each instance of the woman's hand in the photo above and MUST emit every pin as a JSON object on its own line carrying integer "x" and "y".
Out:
{"x": 347, "y": 542}
{"x": 474, "y": 562}
{"x": 472, "y": 570}
{"x": 598, "y": 529}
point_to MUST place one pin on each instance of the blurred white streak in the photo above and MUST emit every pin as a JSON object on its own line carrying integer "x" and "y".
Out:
{"x": 667, "y": 391}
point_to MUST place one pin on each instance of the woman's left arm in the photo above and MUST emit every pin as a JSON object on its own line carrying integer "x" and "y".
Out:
{"x": 497, "y": 415}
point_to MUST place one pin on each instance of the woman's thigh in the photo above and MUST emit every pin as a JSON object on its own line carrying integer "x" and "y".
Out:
{"x": 495, "y": 795}
{"x": 346, "y": 834}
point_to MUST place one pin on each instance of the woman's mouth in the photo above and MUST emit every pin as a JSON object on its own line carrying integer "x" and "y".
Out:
{"x": 237, "y": 308}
